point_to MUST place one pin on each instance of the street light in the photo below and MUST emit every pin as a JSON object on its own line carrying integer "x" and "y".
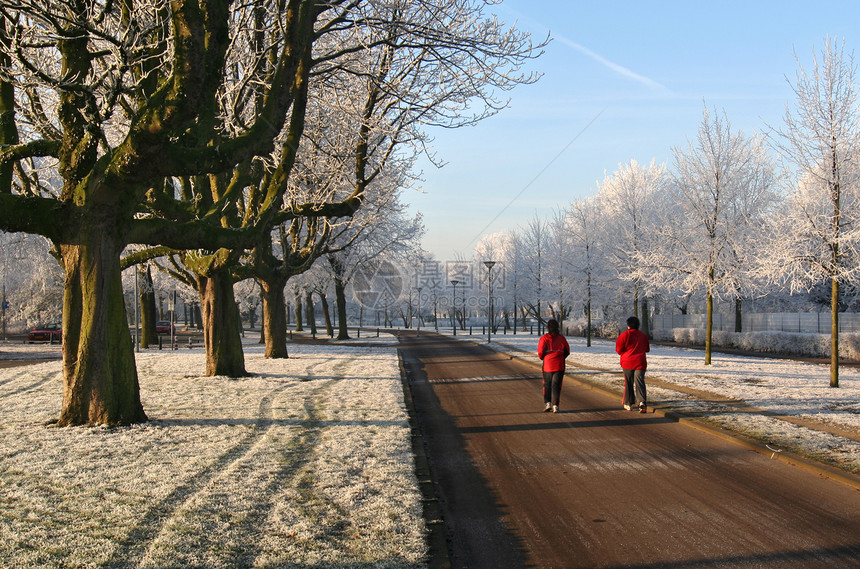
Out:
{"x": 419, "y": 308}
{"x": 3, "y": 304}
{"x": 489, "y": 265}
{"x": 435, "y": 313}
{"x": 455, "y": 283}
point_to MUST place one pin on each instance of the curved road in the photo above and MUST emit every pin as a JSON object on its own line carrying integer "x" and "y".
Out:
{"x": 595, "y": 486}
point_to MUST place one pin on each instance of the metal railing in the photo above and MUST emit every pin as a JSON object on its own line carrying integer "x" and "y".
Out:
{"x": 800, "y": 322}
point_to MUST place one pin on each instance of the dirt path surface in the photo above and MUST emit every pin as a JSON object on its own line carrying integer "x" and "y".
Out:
{"x": 599, "y": 487}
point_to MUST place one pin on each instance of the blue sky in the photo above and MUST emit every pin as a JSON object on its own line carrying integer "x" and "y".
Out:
{"x": 635, "y": 76}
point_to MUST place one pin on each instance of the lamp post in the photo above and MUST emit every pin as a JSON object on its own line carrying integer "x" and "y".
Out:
{"x": 455, "y": 283}
{"x": 3, "y": 304}
{"x": 435, "y": 313}
{"x": 419, "y": 308}
{"x": 489, "y": 265}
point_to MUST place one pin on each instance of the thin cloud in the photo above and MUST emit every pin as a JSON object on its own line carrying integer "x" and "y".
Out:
{"x": 621, "y": 70}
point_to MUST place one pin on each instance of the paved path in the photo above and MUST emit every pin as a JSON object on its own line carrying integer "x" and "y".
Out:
{"x": 598, "y": 487}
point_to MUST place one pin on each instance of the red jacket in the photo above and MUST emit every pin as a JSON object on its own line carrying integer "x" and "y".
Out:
{"x": 632, "y": 346}
{"x": 553, "y": 349}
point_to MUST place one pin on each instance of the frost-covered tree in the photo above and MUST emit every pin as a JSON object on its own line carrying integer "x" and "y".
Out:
{"x": 32, "y": 281}
{"x": 720, "y": 191}
{"x": 535, "y": 242}
{"x": 559, "y": 278}
{"x": 382, "y": 230}
{"x": 817, "y": 233}
{"x": 626, "y": 198}
{"x": 496, "y": 247}
{"x": 584, "y": 223}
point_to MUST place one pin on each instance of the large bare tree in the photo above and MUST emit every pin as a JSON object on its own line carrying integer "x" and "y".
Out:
{"x": 118, "y": 98}
{"x": 155, "y": 117}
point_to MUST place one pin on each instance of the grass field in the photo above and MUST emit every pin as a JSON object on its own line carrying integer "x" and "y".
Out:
{"x": 307, "y": 464}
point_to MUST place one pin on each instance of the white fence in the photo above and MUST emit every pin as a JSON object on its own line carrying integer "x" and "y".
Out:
{"x": 804, "y": 322}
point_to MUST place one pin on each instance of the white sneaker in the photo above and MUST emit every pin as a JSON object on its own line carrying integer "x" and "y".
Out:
{"x": 555, "y": 408}
{"x": 642, "y": 408}
{"x": 627, "y": 407}
{"x": 547, "y": 408}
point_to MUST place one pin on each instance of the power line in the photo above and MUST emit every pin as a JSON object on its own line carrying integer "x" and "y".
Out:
{"x": 539, "y": 174}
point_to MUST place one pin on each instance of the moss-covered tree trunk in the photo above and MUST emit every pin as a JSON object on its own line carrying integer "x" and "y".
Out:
{"x": 221, "y": 325}
{"x": 100, "y": 378}
{"x": 148, "y": 316}
{"x": 275, "y": 317}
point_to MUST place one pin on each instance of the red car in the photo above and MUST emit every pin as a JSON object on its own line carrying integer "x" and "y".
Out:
{"x": 163, "y": 327}
{"x": 47, "y": 333}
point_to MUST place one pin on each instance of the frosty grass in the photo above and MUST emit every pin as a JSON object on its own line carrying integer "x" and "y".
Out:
{"x": 306, "y": 464}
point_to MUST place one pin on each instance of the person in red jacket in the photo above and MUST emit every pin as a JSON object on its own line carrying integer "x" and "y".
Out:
{"x": 552, "y": 349}
{"x": 632, "y": 345}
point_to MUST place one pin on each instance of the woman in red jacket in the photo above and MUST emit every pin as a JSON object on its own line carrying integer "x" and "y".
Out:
{"x": 632, "y": 345}
{"x": 552, "y": 349}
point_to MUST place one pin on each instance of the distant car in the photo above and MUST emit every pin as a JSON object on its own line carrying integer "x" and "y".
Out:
{"x": 47, "y": 333}
{"x": 163, "y": 327}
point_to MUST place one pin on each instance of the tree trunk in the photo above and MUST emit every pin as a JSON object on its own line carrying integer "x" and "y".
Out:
{"x": 148, "y": 335}
{"x": 100, "y": 384}
{"x": 646, "y": 322}
{"x": 298, "y": 312}
{"x": 198, "y": 316}
{"x": 739, "y": 320}
{"x": 340, "y": 304}
{"x": 262, "y": 319}
{"x": 588, "y": 313}
{"x": 309, "y": 308}
{"x": 221, "y": 326}
{"x": 710, "y": 327}
{"x": 275, "y": 317}
{"x": 834, "y": 332}
{"x": 636, "y": 301}
{"x": 329, "y": 330}
{"x": 8, "y": 129}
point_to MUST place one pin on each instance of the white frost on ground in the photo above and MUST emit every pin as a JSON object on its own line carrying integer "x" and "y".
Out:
{"x": 306, "y": 464}
{"x": 779, "y": 387}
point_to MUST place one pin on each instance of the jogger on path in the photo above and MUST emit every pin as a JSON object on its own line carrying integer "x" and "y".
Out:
{"x": 632, "y": 346}
{"x": 552, "y": 349}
